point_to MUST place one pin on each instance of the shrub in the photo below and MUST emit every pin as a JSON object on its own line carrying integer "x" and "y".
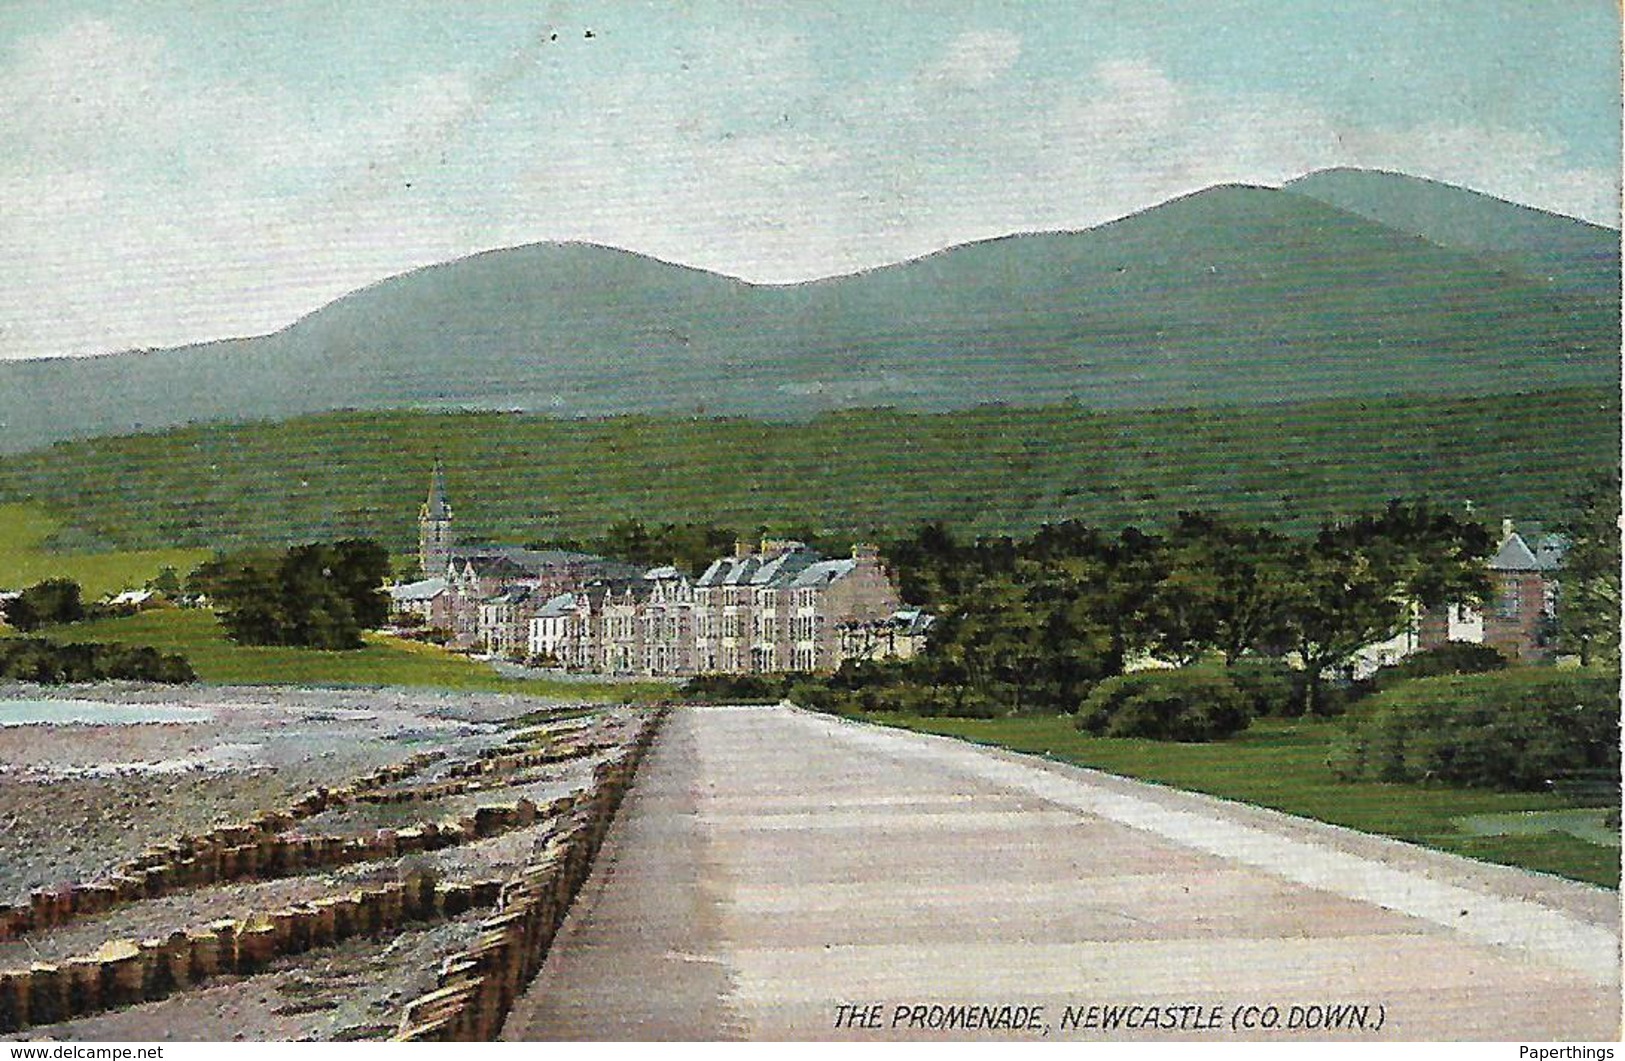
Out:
{"x": 1188, "y": 704}
{"x": 1452, "y": 657}
{"x": 47, "y": 663}
{"x": 1273, "y": 688}
{"x": 56, "y": 600}
{"x": 1518, "y": 730}
{"x": 739, "y": 688}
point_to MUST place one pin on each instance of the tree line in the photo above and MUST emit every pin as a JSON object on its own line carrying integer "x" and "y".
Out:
{"x": 1035, "y": 624}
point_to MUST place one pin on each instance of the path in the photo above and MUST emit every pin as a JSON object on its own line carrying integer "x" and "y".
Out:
{"x": 771, "y": 865}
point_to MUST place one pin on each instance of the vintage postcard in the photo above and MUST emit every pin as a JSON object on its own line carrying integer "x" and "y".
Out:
{"x": 940, "y": 521}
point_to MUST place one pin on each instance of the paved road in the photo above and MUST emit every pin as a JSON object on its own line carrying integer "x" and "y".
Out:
{"x": 772, "y": 865}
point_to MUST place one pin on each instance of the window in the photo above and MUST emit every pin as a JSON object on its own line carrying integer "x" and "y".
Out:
{"x": 1511, "y": 600}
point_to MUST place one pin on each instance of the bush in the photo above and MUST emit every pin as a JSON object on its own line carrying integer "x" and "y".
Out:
{"x": 1188, "y": 704}
{"x": 47, "y": 663}
{"x": 1517, "y": 730}
{"x": 739, "y": 688}
{"x": 1452, "y": 657}
{"x": 56, "y": 600}
{"x": 1272, "y": 688}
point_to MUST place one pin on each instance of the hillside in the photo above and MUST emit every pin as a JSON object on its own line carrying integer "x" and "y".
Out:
{"x": 1231, "y": 296}
{"x": 521, "y": 478}
{"x": 1562, "y": 252}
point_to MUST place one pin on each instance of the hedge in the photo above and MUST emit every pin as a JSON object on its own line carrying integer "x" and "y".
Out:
{"x": 1518, "y": 729}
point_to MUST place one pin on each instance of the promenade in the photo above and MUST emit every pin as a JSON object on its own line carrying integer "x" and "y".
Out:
{"x": 779, "y": 874}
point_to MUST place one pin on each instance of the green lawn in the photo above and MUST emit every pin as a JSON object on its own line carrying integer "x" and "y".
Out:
{"x": 1281, "y": 764}
{"x": 384, "y": 661}
{"x": 25, "y": 559}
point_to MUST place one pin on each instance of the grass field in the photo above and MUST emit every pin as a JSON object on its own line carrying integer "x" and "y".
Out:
{"x": 383, "y": 661}
{"x": 24, "y": 560}
{"x": 1281, "y": 765}
{"x": 519, "y": 479}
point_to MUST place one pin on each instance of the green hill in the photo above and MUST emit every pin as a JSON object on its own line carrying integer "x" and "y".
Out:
{"x": 523, "y": 478}
{"x": 1561, "y": 252}
{"x": 1231, "y": 296}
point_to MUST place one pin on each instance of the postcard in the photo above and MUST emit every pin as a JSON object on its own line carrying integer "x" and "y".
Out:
{"x": 976, "y": 522}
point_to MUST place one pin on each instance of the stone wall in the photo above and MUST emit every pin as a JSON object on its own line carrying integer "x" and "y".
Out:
{"x": 477, "y": 987}
{"x": 126, "y": 972}
{"x": 257, "y": 850}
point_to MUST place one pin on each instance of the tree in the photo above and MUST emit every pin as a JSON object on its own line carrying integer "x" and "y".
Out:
{"x": 56, "y": 600}
{"x": 321, "y": 595}
{"x": 690, "y": 546}
{"x": 1223, "y": 589}
{"x": 166, "y": 582}
{"x": 1357, "y": 583}
{"x": 1588, "y": 599}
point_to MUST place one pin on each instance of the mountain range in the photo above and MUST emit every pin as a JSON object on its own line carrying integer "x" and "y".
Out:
{"x": 1342, "y": 284}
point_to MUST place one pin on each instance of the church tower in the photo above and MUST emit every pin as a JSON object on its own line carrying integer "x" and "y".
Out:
{"x": 434, "y": 527}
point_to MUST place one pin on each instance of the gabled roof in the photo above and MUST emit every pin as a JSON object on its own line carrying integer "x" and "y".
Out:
{"x": 822, "y": 573}
{"x": 730, "y": 571}
{"x": 661, "y": 574}
{"x": 427, "y": 589}
{"x": 783, "y": 568}
{"x": 1514, "y": 555}
{"x": 557, "y": 607}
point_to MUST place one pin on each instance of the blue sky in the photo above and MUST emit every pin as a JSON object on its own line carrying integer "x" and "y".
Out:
{"x": 192, "y": 170}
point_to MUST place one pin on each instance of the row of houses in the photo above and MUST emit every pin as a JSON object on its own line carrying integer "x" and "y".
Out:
{"x": 774, "y": 606}
{"x": 779, "y": 605}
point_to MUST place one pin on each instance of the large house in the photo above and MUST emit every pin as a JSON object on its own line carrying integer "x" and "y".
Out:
{"x": 1515, "y": 618}
{"x": 776, "y": 606}
{"x": 1517, "y": 615}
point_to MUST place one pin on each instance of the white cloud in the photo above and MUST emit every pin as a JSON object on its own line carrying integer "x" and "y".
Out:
{"x": 141, "y": 211}
{"x": 976, "y": 58}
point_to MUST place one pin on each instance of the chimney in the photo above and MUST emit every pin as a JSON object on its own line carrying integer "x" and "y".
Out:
{"x": 742, "y": 548}
{"x": 866, "y": 551}
{"x": 1506, "y": 528}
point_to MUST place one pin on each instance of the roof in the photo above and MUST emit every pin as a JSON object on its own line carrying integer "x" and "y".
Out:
{"x": 658, "y": 574}
{"x": 511, "y": 561}
{"x": 913, "y": 620}
{"x": 1514, "y": 555}
{"x": 782, "y": 569}
{"x": 557, "y": 607}
{"x": 822, "y": 573}
{"x": 1549, "y": 550}
{"x": 132, "y": 596}
{"x": 730, "y": 571}
{"x": 511, "y": 595}
{"x": 427, "y": 589}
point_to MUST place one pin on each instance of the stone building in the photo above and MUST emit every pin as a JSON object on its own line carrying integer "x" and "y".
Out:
{"x": 775, "y": 606}
{"x": 1522, "y": 602}
{"x": 778, "y": 607}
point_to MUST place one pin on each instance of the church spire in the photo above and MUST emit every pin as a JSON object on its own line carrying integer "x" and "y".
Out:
{"x": 434, "y": 526}
{"x": 436, "y": 507}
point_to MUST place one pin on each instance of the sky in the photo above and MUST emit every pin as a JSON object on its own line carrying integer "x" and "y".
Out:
{"x": 186, "y": 170}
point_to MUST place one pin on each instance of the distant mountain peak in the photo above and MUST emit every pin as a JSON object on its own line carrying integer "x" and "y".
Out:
{"x": 1343, "y": 284}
